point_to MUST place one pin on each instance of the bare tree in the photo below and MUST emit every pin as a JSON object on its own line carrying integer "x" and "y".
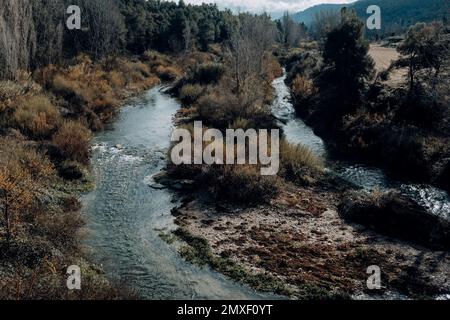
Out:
{"x": 48, "y": 16}
{"x": 103, "y": 28}
{"x": 291, "y": 33}
{"x": 248, "y": 47}
{"x": 324, "y": 22}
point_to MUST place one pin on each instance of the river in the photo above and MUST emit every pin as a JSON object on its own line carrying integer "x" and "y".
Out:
{"x": 369, "y": 178}
{"x": 126, "y": 216}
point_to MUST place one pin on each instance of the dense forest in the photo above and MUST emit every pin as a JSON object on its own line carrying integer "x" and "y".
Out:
{"x": 108, "y": 26}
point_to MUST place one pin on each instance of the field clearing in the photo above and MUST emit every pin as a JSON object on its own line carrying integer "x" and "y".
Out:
{"x": 383, "y": 57}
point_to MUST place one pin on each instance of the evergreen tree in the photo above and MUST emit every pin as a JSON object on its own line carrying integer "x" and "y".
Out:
{"x": 347, "y": 65}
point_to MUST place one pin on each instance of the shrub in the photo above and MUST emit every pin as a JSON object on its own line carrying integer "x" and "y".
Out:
{"x": 37, "y": 117}
{"x": 208, "y": 73}
{"x": 218, "y": 109}
{"x": 133, "y": 71}
{"x": 10, "y": 90}
{"x": 62, "y": 228}
{"x": 73, "y": 141}
{"x": 242, "y": 184}
{"x": 116, "y": 79}
{"x": 105, "y": 107}
{"x": 190, "y": 93}
{"x": 21, "y": 171}
{"x": 62, "y": 86}
{"x": 167, "y": 73}
{"x": 155, "y": 59}
{"x": 241, "y": 123}
{"x": 298, "y": 163}
{"x": 302, "y": 90}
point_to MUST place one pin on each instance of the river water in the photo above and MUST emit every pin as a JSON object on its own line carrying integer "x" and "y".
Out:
{"x": 370, "y": 178}
{"x": 126, "y": 216}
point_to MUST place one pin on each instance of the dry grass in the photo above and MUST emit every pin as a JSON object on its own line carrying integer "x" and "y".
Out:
{"x": 302, "y": 89}
{"x": 298, "y": 163}
{"x": 383, "y": 58}
{"x": 169, "y": 73}
{"x": 190, "y": 93}
{"x": 95, "y": 90}
{"x": 73, "y": 141}
{"x": 37, "y": 117}
{"x": 242, "y": 184}
{"x": 208, "y": 73}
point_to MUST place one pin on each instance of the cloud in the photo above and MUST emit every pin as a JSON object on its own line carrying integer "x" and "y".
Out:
{"x": 271, "y": 6}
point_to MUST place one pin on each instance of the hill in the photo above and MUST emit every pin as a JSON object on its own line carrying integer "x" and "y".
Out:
{"x": 396, "y": 15}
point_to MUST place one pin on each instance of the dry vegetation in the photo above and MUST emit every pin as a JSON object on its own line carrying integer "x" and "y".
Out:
{"x": 46, "y": 121}
{"x": 301, "y": 247}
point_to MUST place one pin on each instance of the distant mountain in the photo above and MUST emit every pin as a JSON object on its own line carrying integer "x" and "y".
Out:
{"x": 395, "y": 14}
{"x": 308, "y": 16}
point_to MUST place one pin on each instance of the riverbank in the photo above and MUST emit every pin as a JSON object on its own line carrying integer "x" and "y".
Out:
{"x": 298, "y": 244}
{"x": 47, "y": 119}
{"x": 401, "y": 130}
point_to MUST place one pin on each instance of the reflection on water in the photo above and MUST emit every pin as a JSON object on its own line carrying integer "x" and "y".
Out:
{"x": 125, "y": 216}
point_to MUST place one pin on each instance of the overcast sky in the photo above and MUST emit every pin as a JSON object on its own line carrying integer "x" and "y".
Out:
{"x": 271, "y": 6}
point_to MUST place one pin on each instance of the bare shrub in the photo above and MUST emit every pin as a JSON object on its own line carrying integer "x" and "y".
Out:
{"x": 21, "y": 170}
{"x": 208, "y": 73}
{"x": 302, "y": 89}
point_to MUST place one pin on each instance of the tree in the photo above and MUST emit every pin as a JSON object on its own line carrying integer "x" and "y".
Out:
{"x": 206, "y": 33}
{"x": 346, "y": 65}
{"x": 324, "y": 22}
{"x": 425, "y": 53}
{"x": 48, "y": 17}
{"x": 247, "y": 49}
{"x": 290, "y": 32}
{"x": 103, "y": 29}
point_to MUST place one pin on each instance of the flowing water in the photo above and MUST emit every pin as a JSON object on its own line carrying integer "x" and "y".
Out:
{"x": 369, "y": 178}
{"x": 126, "y": 216}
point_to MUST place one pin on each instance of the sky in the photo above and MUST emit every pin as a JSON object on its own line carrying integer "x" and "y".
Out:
{"x": 274, "y": 7}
